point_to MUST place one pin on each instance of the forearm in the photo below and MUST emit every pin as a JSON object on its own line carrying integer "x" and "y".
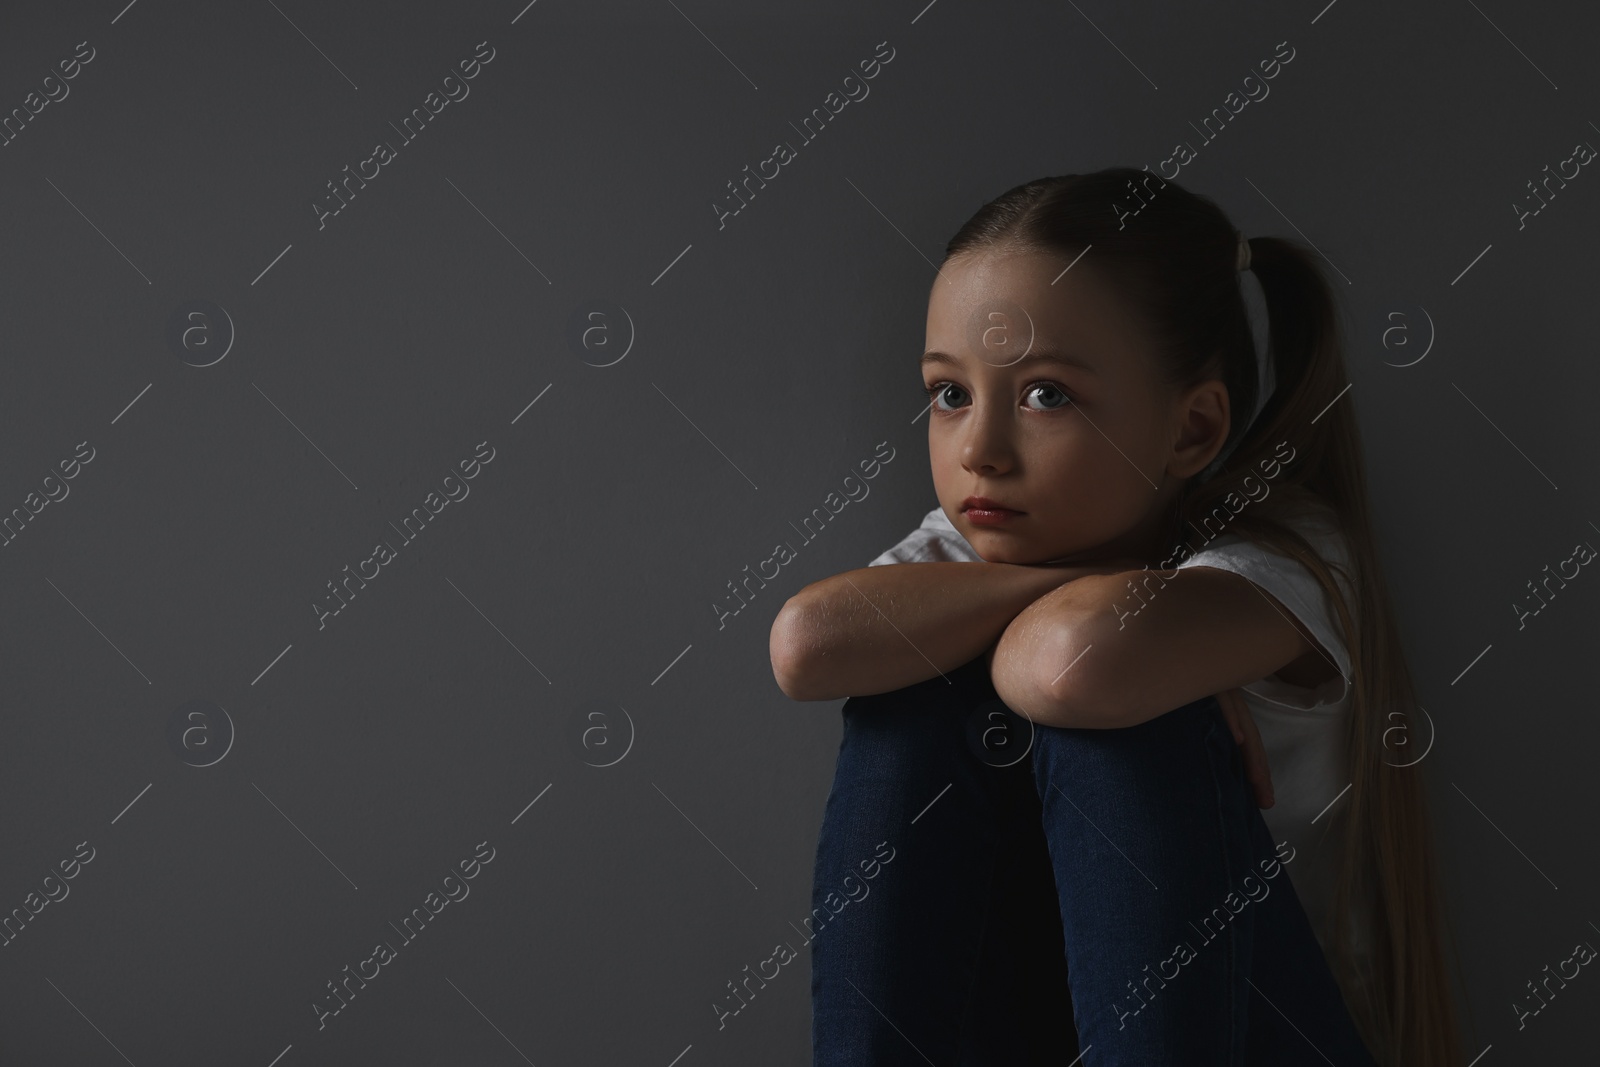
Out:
{"x": 877, "y": 629}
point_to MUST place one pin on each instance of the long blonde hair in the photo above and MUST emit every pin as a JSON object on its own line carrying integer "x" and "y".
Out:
{"x": 1174, "y": 262}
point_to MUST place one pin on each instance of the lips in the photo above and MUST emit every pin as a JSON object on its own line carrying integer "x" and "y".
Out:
{"x": 983, "y": 503}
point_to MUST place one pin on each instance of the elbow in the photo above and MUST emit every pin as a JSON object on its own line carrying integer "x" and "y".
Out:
{"x": 786, "y": 648}
{"x": 1080, "y": 691}
{"x": 1073, "y": 703}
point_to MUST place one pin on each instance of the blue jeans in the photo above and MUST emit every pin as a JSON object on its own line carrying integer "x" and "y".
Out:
{"x": 969, "y": 860}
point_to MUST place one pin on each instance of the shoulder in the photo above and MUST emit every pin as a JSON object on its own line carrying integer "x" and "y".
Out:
{"x": 1321, "y": 529}
{"x": 1296, "y": 593}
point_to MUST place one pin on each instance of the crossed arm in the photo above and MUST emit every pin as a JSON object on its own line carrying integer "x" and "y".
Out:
{"x": 1066, "y": 646}
{"x": 1115, "y": 650}
{"x": 878, "y": 629}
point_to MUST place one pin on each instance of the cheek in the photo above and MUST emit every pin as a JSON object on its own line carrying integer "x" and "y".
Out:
{"x": 1122, "y": 453}
{"x": 942, "y": 460}
{"x": 944, "y": 454}
{"x": 1090, "y": 486}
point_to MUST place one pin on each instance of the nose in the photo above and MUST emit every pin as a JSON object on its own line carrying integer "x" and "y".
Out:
{"x": 989, "y": 446}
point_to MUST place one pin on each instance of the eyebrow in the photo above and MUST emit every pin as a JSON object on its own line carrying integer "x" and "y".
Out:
{"x": 1041, "y": 356}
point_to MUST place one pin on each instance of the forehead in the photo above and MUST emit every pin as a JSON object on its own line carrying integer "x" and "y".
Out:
{"x": 995, "y": 307}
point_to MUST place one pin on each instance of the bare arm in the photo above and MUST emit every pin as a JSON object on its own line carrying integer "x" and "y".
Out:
{"x": 877, "y": 629}
{"x": 1098, "y": 656}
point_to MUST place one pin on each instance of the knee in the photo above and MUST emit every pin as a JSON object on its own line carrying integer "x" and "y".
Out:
{"x": 953, "y": 692}
{"x": 1172, "y": 737}
{"x": 938, "y": 726}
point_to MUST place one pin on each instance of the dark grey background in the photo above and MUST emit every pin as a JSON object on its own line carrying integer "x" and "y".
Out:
{"x": 770, "y": 358}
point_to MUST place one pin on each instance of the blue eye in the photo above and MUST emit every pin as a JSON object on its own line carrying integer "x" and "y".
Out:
{"x": 938, "y": 389}
{"x": 1051, "y": 387}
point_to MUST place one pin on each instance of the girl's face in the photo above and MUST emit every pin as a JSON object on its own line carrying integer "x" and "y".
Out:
{"x": 1089, "y": 452}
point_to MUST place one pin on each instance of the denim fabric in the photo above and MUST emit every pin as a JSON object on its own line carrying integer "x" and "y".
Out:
{"x": 1133, "y": 860}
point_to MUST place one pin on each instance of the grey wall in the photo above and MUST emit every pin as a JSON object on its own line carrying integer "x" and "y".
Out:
{"x": 247, "y": 848}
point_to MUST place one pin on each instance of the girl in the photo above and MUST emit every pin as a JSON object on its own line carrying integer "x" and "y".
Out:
{"x": 1131, "y": 603}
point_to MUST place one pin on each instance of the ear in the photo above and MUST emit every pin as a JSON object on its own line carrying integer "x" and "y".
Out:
{"x": 1201, "y": 418}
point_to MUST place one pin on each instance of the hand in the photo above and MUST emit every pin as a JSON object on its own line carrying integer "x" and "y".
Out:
{"x": 1248, "y": 739}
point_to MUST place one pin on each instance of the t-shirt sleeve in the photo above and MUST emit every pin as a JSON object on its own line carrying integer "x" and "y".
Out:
{"x": 1299, "y": 592}
{"x": 935, "y": 541}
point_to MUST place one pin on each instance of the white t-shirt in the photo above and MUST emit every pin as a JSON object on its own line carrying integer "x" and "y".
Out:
{"x": 1301, "y": 729}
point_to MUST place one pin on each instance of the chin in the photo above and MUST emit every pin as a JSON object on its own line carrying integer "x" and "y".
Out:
{"x": 992, "y": 556}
